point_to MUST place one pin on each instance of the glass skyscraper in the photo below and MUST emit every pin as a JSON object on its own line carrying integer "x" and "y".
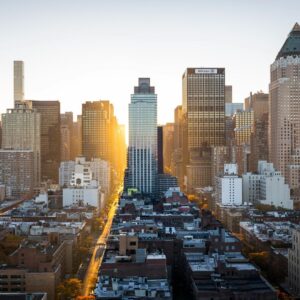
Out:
{"x": 142, "y": 150}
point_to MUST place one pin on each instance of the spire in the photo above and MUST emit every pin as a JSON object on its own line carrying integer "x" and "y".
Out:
{"x": 291, "y": 46}
{"x": 296, "y": 27}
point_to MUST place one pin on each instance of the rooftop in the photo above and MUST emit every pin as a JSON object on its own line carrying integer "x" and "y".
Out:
{"x": 291, "y": 46}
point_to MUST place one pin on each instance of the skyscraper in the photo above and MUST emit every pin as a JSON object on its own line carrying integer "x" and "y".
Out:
{"x": 259, "y": 103}
{"x": 67, "y": 136}
{"x": 18, "y": 80}
{"x": 203, "y": 104}
{"x": 284, "y": 120}
{"x": 179, "y": 156}
{"x": 160, "y": 149}
{"x": 243, "y": 126}
{"x": 76, "y": 149}
{"x": 96, "y": 129}
{"x": 21, "y": 131}
{"x": 50, "y": 137}
{"x": 228, "y": 93}
{"x": 168, "y": 146}
{"x": 17, "y": 172}
{"x": 142, "y": 150}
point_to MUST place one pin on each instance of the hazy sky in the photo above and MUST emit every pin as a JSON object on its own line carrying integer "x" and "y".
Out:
{"x": 87, "y": 50}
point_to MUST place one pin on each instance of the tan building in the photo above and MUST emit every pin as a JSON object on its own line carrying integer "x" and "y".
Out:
{"x": 228, "y": 93}
{"x": 77, "y": 138}
{"x": 16, "y": 172}
{"x": 203, "y": 102}
{"x": 168, "y": 146}
{"x": 50, "y": 137}
{"x": 18, "y": 80}
{"x": 259, "y": 142}
{"x": 203, "y": 107}
{"x": 284, "y": 126}
{"x": 67, "y": 136}
{"x": 199, "y": 170}
{"x": 96, "y": 121}
{"x": 21, "y": 131}
{"x": 179, "y": 155}
{"x": 36, "y": 266}
{"x": 243, "y": 126}
{"x": 220, "y": 156}
{"x": 259, "y": 103}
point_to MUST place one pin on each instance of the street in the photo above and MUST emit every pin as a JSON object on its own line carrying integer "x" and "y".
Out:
{"x": 97, "y": 256}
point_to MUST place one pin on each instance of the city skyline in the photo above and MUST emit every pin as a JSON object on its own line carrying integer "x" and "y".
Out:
{"x": 202, "y": 202}
{"x": 57, "y": 67}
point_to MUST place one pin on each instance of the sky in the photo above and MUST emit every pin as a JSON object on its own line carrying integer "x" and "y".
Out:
{"x": 79, "y": 50}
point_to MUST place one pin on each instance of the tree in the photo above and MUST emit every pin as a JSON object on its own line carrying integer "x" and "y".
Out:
{"x": 69, "y": 289}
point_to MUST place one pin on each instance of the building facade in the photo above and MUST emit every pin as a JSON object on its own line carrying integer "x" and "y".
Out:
{"x": 21, "y": 131}
{"x": 18, "y": 80}
{"x": 266, "y": 187}
{"x": 142, "y": 150}
{"x": 243, "y": 126}
{"x": 229, "y": 186}
{"x": 284, "y": 126}
{"x": 204, "y": 104}
{"x": 50, "y": 138}
{"x": 17, "y": 172}
{"x": 97, "y": 168}
{"x": 96, "y": 127}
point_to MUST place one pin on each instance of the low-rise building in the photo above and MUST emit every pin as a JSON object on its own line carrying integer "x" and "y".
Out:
{"x": 266, "y": 187}
{"x": 229, "y": 186}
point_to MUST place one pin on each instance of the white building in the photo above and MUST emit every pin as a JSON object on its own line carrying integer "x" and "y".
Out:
{"x": 82, "y": 189}
{"x": 101, "y": 172}
{"x": 97, "y": 169}
{"x": 66, "y": 170}
{"x": 229, "y": 186}
{"x": 83, "y": 196}
{"x": 266, "y": 187}
{"x": 294, "y": 263}
{"x": 142, "y": 149}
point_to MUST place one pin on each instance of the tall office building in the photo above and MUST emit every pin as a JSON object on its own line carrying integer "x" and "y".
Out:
{"x": 142, "y": 150}
{"x": 228, "y": 93}
{"x": 259, "y": 142}
{"x": 284, "y": 126}
{"x": 18, "y": 80}
{"x": 259, "y": 103}
{"x": 168, "y": 146}
{"x": 21, "y": 131}
{"x": 204, "y": 104}
{"x": 67, "y": 137}
{"x": 96, "y": 124}
{"x": 77, "y": 138}
{"x": 17, "y": 172}
{"x": 50, "y": 137}
{"x": 160, "y": 150}
{"x": 243, "y": 126}
{"x": 204, "y": 110}
{"x": 180, "y": 153}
